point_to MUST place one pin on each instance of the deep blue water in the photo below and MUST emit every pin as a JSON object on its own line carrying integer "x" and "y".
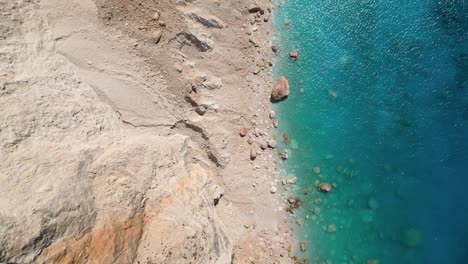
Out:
{"x": 379, "y": 102}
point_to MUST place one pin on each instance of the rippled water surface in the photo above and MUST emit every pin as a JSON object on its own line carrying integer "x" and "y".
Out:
{"x": 379, "y": 102}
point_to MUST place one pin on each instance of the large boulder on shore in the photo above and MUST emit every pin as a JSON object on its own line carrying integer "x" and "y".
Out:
{"x": 280, "y": 89}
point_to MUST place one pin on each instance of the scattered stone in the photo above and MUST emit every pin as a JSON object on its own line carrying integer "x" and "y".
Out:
{"x": 293, "y": 54}
{"x": 318, "y": 201}
{"x": 263, "y": 145}
{"x": 256, "y": 132}
{"x": 250, "y": 141}
{"x": 162, "y": 24}
{"x": 289, "y": 180}
{"x": 324, "y": 187}
{"x": 178, "y": 67}
{"x": 286, "y": 137}
{"x": 253, "y": 152}
{"x": 303, "y": 246}
{"x": 317, "y": 170}
{"x": 253, "y": 42}
{"x": 272, "y": 143}
{"x": 156, "y": 36}
{"x": 156, "y": 15}
{"x": 243, "y": 132}
{"x": 213, "y": 83}
{"x": 257, "y": 7}
{"x": 283, "y": 154}
{"x": 280, "y": 89}
{"x": 272, "y": 114}
{"x": 294, "y": 203}
{"x": 275, "y": 49}
{"x": 201, "y": 110}
{"x": 275, "y": 123}
{"x": 273, "y": 190}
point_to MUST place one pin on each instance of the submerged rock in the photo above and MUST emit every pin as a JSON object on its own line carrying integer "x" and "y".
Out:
{"x": 324, "y": 187}
{"x": 280, "y": 89}
{"x": 411, "y": 238}
{"x": 275, "y": 123}
{"x": 283, "y": 154}
{"x": 373, "y": 204}
{"x": 317, "y": 170}
{"x": 286, "y": 137}
{"x": 331, "y": 228}
{"x": 289, "y": 180}
{"x": 275, "y": 49}
{"x": 293, "y": 54}
{"x": 303, "y": 246}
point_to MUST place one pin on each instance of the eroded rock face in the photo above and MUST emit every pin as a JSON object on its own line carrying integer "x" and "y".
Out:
{"x": 280, "y": 89}
{"x": 78, "y": 184}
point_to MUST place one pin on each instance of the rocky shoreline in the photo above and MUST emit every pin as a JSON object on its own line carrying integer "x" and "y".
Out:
{"x": 140, "y": 132}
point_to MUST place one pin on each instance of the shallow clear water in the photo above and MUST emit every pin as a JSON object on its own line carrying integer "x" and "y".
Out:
{"x": 379, "y": 101}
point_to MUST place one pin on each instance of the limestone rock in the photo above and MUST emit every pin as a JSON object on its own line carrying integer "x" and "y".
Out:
{"x": 280, "y": 89}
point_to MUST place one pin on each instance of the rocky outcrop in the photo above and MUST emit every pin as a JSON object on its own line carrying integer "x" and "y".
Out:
{"x": 205, "y": 19}
{"x": 201, "y": 42}
{"x": 280, "y": 89}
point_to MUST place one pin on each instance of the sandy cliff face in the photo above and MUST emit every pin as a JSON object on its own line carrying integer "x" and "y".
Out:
{"x": 116, "y": 135}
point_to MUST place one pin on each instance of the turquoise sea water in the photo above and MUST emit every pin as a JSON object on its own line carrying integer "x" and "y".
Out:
{"x": 379, "y": 102}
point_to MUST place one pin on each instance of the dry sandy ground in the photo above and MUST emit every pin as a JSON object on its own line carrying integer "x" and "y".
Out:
{"x": 119, "y": 133}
